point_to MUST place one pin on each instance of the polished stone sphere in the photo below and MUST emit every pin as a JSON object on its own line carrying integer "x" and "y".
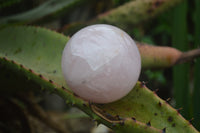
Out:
{"x": 101, "y": 63}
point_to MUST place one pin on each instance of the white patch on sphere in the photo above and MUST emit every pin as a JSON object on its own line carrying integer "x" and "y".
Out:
{"x": 101, "y": 63}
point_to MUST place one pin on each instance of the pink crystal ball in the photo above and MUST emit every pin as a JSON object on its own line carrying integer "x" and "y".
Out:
{"x": 101, "y": 63}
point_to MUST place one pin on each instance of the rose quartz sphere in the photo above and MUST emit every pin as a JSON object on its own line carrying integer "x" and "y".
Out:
{"x": 101, "y": 63}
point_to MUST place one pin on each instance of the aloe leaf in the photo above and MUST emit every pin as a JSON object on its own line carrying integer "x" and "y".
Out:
{"x": 39, "y": 48}
{"x": 47, "y": 10}
{"x": 136, "y": 12}
{"x": 146, "y": 107}
{"x": 30, "y": 60}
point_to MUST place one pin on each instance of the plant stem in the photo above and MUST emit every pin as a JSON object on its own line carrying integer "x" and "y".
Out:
{"x": 162, "y": 57}
{"x": 188, "y": 56}
{"x": 181, "y": 72}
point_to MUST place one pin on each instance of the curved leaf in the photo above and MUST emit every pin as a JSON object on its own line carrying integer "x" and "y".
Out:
{"x": 30, "y": 59}
{"x": 49, "y": 9}
{"x": 36, "y": 48}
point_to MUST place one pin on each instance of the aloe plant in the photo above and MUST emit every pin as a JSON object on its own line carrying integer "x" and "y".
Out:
{"x": 30, "y": 60}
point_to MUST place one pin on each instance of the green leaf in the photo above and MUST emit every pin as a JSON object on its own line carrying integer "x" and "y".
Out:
{"x": 30, "y": 59}
{"x": 36, "y": 48}
{"x": 145, "y": 106}
{"x": 135, "y": 12}
{"x": 47, "y": 10}
{"x": 181, "y": 80}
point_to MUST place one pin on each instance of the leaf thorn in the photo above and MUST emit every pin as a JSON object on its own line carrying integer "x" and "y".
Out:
{"x": 164, "y": 130}
{"x": 148, "y": 124}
